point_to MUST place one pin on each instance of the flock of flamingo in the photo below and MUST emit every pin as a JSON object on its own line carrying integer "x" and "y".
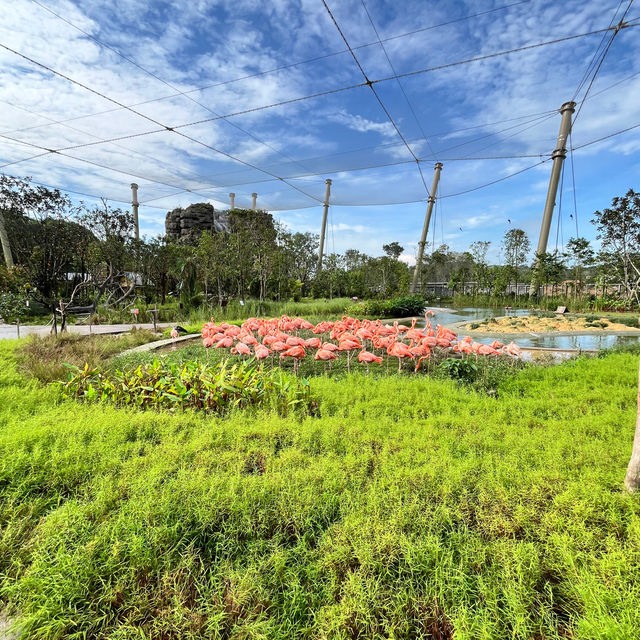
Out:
{"x": 373, "y": 340}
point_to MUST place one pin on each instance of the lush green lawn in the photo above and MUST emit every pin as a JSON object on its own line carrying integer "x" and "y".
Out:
{"x": 409, "y": 508}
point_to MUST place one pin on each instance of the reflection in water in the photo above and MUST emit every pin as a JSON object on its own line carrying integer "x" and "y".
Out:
{"x": 586, "y": 341}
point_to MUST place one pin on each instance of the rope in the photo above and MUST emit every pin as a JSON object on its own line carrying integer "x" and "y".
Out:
{"x": 378, "y": 98}
{"x": 573, "y": 185}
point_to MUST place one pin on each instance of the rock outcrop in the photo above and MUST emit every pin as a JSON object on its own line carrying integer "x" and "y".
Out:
{"x": 185, "y": 225}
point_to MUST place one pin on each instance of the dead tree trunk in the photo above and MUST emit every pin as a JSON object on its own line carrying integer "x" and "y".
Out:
{"x": 632, "y": 479}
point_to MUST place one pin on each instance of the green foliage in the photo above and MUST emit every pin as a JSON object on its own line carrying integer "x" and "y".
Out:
{"x": 413, "y": 508}
{"x": 461, "y": 369}
{"x": 191, "y": 385}
{"x": 13, "y": 306}
{"x": 618, "y": 230}
{"x": 516, "y": 247}
{"x": 394, "y": 308}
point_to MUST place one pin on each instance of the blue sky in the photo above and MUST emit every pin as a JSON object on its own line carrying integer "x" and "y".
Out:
{"x": 178, "y": 63}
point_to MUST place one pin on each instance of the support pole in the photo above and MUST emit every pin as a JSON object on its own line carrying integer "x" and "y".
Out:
{"x": 4, "y": 241}
{"x": 425, "y": 229}
{"x": 323, "y": 228}
{"x": 232, "y": 200}
{"x": 558, "y": 156}
{"x": 254, "y": 197}
{"x": 134, "y": 206}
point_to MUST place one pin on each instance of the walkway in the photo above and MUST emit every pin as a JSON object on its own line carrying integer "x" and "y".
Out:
{"x": 8, "y": 331}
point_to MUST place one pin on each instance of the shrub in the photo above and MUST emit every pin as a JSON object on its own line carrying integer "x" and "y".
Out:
{"x": 213, "y": 389}
{"x": 460, "y": 369}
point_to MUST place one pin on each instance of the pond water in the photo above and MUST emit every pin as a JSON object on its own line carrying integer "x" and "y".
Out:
{"x": 589, "y": 341}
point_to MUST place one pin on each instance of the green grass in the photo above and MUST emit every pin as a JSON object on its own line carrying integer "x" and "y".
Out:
{"x": 322, "y": 309}
{"x": 407, "y": 508}
{"x": 43, "y": 357}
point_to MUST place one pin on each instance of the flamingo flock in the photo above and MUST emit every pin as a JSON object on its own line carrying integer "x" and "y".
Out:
{"x": 264, "y": 338}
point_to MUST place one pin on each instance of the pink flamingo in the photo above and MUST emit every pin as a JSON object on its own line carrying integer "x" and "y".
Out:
{"x": 297, "y": 353}
{"x": 399, "y": 350}
{"x": 261, "y": 352}
{"x": 294, "y": 341}
{"x": 426, "y": 357}
{"x": 241, "y": 349}
{"x": 349, "y": 346}
{"x": 368, "y": 358}
{"x": 326, "y": 356}
{"x": 224, "y": 343}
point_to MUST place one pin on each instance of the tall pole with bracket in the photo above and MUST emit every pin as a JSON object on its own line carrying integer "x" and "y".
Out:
{"x": 134, "y": 206}
{"x": 558, "y": 156}
{"x": 323, "y": 228}
{"x": 425, "y": 229}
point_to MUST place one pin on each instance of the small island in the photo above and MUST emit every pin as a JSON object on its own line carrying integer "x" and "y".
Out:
{"x": 543, "y": 323}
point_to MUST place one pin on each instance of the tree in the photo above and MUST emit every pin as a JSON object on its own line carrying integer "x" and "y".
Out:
{"x": 498, "y": 277}
{"x": 618, "y": 229}
{"x": 580, "y": 256}
{"x": 44, "y": 233}
{"x": 253, "y": 239}
{"x": 479, "y": 251}
{"x": 214, "y": 260}
{"x": 438, "y": 265}
{"x": 393, "y": 250}
{"x": 386, "y": 276}
{"x": 158, "y": 263}
{"x": 548, "y": 268}
{"x": 111, "y": 256}
{"x": 301, "y": 254}
{"x": 515, "y": 247}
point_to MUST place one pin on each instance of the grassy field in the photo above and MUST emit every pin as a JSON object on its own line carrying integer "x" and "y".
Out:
{"x": 406, "y": 508}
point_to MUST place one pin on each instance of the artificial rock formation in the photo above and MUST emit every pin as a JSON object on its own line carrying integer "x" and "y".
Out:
{"x": 185, "y": 225}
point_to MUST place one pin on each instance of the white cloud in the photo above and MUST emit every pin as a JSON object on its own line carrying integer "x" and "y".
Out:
{"x": 363, "y": 125}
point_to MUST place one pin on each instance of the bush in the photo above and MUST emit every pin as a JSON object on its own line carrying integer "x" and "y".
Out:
{"x": 13, "y": 306}
{"x": 460, "y": 369}
{"x": 212, "y": 389}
